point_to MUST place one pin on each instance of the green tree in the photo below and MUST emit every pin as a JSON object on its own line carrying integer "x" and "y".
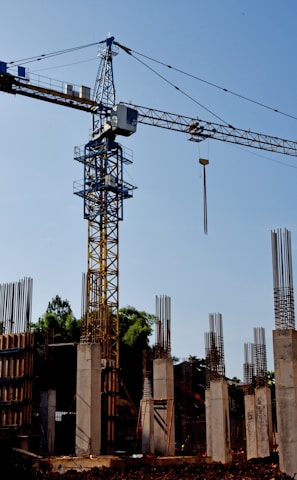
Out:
{"x": 58, "y": 324}
{"x": 135, "y": 327}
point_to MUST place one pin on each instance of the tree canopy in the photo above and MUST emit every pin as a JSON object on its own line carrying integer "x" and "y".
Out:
{"x": 58, "y": 324}
{"x": 135, "y": 327}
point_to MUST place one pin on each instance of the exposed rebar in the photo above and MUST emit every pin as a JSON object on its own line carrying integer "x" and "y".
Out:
{"x": 260, "y": 360}
{"x": 249, "y": 367}
{"x": 16, "y": 306}
{"x": 163, "y": 327}
{"x": 284, "y": 309}
{"x": 214, "y": 348}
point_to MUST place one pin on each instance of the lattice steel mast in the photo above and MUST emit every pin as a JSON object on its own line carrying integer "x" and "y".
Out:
{"x": 103, "y": 190}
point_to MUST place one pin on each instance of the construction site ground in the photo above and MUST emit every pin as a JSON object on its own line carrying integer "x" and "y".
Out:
{"x": 165, "y": 468}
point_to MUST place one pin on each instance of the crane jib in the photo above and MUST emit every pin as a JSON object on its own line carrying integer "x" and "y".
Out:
{"x": 198, "y": 130}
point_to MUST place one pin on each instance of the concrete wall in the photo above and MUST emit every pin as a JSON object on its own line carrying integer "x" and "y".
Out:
{"x": 88, "y": 400}
{"x": 285, "y": 364}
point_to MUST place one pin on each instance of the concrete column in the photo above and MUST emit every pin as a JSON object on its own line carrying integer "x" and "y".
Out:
{"x": 250, "y": 426}
{"x": 48, "y": 419}
{"x": 147, "y": 424}
{"x": 220, "y": 421}
{"x": 208, "y": 423}
{"x": 88, "y": 400}
{"x": 285, "y": 365}
{"x": 264, "y": 421}
{"x": 164, "y": 418}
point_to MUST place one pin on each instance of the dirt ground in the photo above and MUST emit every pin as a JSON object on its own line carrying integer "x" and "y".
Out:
{"x": 250, "y": 470}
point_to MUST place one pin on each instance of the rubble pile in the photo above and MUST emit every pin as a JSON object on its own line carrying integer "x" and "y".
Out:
{"x": 251, "y": 470}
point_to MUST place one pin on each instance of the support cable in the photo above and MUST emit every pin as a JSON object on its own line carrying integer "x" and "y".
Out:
{"x": 243, "y": 97}
{"x": 178, "y": 89}
{"x": 43, "y": 56}
{"x": 130, "y": 52}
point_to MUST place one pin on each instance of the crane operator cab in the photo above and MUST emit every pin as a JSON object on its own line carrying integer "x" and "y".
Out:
{"x": 123, "y": 121}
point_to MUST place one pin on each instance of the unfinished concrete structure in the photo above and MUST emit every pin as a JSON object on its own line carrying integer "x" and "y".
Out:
{"x": 217, "y": 399}
{"x": 157, "y": 413}
{"x": 249, "y": 403}
{"x": 257, "y": 400}
{"x": 16, "y": 359}
{"x": 163, "y": 381}
{"x": 97, "y": 378}
{"x": 147, "y": 417}
{"x": 285, "y": 350}
{"x": 88, "y": 400}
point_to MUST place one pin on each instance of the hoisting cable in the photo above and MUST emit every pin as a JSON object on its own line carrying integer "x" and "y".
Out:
{"x": 243, "y": 97}
{"x": 204, "y": 162}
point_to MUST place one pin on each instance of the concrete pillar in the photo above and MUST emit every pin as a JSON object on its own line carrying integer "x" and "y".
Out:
{"x": 263, "y": 421}
{"x": 208, "y": 423}
{"x": 220, "y": 421}
{"x": 285, "y": 365}
{"x": 48, "y": 419}
{"x": 164, "y": 418}
{"x": 88, "y": 400}
{"x": 147, "y": 418}
{"x": 250, "y": 426}
{"x": 147, "y": 423}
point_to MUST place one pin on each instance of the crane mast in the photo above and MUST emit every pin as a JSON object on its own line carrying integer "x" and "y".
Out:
{"x": 103, "y": 190}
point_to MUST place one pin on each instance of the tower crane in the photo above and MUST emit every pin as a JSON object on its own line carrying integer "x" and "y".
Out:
{"x": 103, "y": 188}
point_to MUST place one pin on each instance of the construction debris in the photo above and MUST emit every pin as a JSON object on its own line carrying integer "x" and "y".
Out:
{"x": 142, "y": 470}
{"x": 235, "y": 471}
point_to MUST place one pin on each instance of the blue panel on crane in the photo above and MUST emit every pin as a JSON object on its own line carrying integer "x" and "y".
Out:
{"x": 132, "y": 117}
{"x": 3, "y": 67}
{"x": 21, "y": 71}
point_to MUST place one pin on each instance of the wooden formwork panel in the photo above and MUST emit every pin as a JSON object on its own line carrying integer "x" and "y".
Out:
{"x": 16, "y": 379}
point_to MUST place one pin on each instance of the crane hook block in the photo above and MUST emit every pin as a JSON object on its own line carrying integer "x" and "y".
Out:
{"x": 203, "y": 161}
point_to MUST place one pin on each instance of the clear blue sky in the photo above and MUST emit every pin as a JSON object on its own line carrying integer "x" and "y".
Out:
{"x": 246, "y": 47}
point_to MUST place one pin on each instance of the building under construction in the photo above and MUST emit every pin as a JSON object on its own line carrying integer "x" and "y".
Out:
{"x": 38, "y": 386}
